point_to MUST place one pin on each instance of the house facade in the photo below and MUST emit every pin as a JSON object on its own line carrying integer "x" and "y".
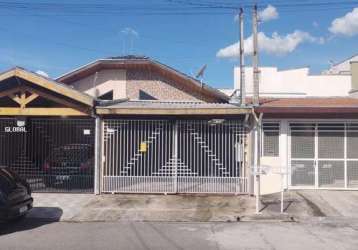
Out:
{"x": 310, "y": 140}
{"x": 122, "y": 125}
{"x": 134, "y": 125}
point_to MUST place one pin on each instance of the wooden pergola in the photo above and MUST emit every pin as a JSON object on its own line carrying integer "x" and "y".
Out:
{"x": 24, "y": 93}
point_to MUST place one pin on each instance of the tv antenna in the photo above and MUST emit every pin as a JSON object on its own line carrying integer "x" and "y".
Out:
{"x": 201, "y": 72}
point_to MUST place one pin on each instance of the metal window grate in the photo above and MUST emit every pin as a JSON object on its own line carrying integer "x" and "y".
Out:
{"x": 303, "y": 173}
{"x": 302, "y": 144}
{"x": 331, "y": 173}
{"x": 331, "y": 144}
{"x": 352, "y": 174}
{"x": 270, "y": 138}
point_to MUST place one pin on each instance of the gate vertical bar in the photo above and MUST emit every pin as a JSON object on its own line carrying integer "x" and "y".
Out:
{"x": 175, "y": 155}
{"x": 316, "y": 157}
{"x": 97, "y": 155}
{"x": 345, "y": 157}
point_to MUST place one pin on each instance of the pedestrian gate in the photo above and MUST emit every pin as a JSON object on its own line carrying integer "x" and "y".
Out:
{"x": 163, "y": 156}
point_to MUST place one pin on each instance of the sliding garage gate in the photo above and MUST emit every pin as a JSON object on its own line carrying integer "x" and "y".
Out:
{"x": 161, "y": 156}
{"x": 53, "y": 155}
{"x": 324, "y": 155}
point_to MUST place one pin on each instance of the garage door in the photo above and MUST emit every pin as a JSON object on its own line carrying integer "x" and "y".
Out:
{"x": 54, "y": 155}
{"x": 162, "y": 156}
{"x": 324, "y": 155}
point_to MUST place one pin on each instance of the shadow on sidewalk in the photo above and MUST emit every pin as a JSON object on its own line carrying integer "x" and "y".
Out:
{"x": 32, "y": 220}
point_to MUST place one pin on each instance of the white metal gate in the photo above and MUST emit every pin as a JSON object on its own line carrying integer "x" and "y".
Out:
{"x": 163, "y": 156}
{"x": 324, "y": 155}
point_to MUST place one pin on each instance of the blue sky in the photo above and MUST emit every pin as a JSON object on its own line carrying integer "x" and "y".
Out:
{"x": 58, "y": 39}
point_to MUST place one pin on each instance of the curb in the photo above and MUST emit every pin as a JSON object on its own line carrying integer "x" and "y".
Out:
{"x": 268, "y": 218}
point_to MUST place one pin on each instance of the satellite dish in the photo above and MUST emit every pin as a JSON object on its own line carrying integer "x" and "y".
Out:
{"x": 200, "y": 73}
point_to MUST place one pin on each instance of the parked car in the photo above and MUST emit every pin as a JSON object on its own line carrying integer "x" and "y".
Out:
{"x": 15, "y": 195}
{"x": 69, "y": 162}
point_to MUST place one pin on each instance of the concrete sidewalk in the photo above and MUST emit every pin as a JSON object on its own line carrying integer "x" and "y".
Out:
{"x": 89, "y": 207}
{"x": 299, "y": 206}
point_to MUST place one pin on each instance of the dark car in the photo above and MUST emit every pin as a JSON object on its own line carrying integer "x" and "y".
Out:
{"x": 71, "y": 162}
{"x": 15, "y": 195}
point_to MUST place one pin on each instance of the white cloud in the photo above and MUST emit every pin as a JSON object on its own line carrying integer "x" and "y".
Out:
{"x": 42, "y": 73}
{"x": 130, "y": 31}
{"x": 267, "y": 14}
{"x": 346, "y": 25}
{"x": 275, "y": 44}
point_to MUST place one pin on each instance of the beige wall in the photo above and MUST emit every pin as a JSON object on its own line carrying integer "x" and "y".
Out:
{"x": 105, "y": 81}
{"x": 156, "y": 85}
{"x": 130, "y": 83}
{"x": 354, "y": 72}
{"x": 272, "y": 181}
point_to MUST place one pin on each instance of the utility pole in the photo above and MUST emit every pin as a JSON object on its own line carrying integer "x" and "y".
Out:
{"x": 255, "y": 59}
{"x": 255, "y": 102}
{"x": 242, "y": 60}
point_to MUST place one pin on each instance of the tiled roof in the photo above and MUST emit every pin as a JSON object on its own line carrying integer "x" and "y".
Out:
{"x": 169, "y": 105}
{"x": 308, "y": 104}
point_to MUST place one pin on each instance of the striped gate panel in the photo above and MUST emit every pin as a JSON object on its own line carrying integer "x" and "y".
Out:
{"x": 138, "y": 156}
{"x": 162, "y": 156}
{"x": 210, "y": 157}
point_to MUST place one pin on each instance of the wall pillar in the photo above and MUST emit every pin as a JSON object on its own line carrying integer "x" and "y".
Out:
{"x": 98, "y": 156}
{"x": 284, "y": 150}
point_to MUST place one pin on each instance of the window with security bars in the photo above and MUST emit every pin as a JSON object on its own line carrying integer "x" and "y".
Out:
{"x": 270, "y": 139}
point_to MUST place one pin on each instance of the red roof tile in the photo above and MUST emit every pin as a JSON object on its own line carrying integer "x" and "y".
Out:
{"x": 308, "y": 104}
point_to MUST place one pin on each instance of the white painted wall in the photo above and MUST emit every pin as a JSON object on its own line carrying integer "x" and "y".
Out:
{"x": 294, "y": 83}
{"x": 275, "y": 177}
{"x": 103, "y": 82}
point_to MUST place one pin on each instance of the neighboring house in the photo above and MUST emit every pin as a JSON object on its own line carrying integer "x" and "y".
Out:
{"x": 312, "y": 138}
{"x": 341, "y": 68}
{"x": 293, "y": 83}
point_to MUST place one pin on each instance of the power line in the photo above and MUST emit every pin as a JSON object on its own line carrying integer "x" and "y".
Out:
{"x": 170, "y": 7}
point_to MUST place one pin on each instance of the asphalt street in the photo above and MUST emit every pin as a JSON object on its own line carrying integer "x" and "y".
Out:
{"x": 37, "y": 235}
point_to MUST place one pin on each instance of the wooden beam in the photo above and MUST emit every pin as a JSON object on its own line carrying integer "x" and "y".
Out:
{"x": 41, "y": 112}
{"x": 53, "y": 86}
{"x": 10, "y": 91}
{"x": 15, "y": 98}
{"x": 137, "y": 111}
{"x": 23, "y": 100}
{"x": 56, "y": 99}
{"x": 30, "y": 98}
{"x": 7, "y": 75}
